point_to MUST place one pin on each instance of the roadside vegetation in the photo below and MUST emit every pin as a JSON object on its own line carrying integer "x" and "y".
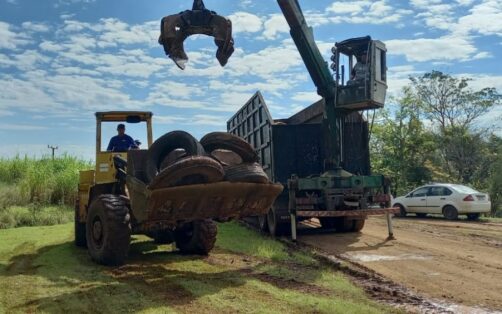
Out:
{"x": 246, "y": 273}
{"x": 432, "y": 133}
{"x": 38, "y": 191}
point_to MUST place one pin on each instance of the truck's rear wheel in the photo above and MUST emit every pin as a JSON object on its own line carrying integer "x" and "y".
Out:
{"x": 108, "y": 229}
{"x": 358, "y": 225}
{"x": 275, "y": 226}
{"x": 327, "y": 222}
{"x": 262, "y": 223}
{"x": 197, "y": 237}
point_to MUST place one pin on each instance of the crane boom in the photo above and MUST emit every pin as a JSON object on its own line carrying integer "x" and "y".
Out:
{"x": 303, "y": 37}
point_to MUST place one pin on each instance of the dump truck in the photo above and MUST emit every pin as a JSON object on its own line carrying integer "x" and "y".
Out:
{"x": 321, "y": 154}
{"x": 172, "y": 191}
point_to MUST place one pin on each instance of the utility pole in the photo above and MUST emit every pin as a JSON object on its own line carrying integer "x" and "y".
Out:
{"x": 53, "y": 150}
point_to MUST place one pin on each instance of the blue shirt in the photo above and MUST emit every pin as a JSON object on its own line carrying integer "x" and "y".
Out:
{"x": 121, "y": 143}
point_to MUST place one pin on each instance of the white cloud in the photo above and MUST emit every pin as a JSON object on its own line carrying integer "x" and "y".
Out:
{"x": 243, "y": 22}
{"x": 307, "y": 97}
{"x": 21, "y": 127}
{"x": 36, "y": 27}
{"x": 275, "y": 25}
{"x": 9, "y": 39}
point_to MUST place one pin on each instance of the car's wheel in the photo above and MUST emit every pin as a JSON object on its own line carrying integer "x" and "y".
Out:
{"x": 108, "y": 229}
{"x": 189, "y": 170}
{"x": 275, "y": 227}
{"x": 231, "y": 142}
{"x": 197, "y": 237}
{"x": 246, "y": 172}
{"x": 167, "y": 143}
{"x": 262, "y": 223}
{"x": 421, "y": 215}
{"x": 450, "y": 212}
{"x": 473, "y": 216}
{"x": 402, "y": 211}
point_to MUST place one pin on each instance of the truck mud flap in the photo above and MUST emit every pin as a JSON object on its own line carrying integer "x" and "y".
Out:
{"x": 210, "y": 201}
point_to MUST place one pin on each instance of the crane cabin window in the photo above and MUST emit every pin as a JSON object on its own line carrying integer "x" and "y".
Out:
{"x": 380, "y": 65}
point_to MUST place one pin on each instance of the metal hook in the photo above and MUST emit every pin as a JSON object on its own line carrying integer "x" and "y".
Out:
{"x": 198, "y": 5}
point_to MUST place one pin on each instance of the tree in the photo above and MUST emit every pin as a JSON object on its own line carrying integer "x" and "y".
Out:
{"x": 452, "y": 107}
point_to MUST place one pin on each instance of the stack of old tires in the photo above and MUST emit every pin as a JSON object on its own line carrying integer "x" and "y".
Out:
{"x": 177, "y": 159}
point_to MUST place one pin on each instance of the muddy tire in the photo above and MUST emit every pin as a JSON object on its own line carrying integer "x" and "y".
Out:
{"x": 79, "y": 229}
{"x": 231, "y": 142}
{"x": 421, "y": 215}
{"x": 246, "y": 172}
{"x": 108, "y": 229}
{"x": 262, "y": 223}
{"x": 276, "y": 228}
{"x": 327, "y": 222}
{"x": 450, "y": 212}
{"x": 189, "y": 170}
{"x": 474, "y": 216}
{"x": 197, "y": 237}
{"x": 165, "y": 145}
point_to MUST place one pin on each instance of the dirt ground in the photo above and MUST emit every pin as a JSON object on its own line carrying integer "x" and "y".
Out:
{"x": 459, "y": 263}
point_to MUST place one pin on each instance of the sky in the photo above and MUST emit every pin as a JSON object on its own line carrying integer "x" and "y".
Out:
{"x": 63, "y": 60}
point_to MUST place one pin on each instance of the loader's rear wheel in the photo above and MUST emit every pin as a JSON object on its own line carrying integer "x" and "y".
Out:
{"x": 246, "y": 172}
{"x": 231, "y": 142}
{"x": 197, "y": 237}
{"x": 163, "y": 237}
{"x": 189, "y": 170}
{"x": 108, "y": 229}
{"x": 165, "y": 145}
{"x": 80, "y": 239}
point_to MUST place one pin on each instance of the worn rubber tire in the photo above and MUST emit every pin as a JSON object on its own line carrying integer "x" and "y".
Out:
{"x": 474, "y": 216}
{"x": 231, "y": 142}
{"x": 197, "y": 238}
{"x": 165, "y": 145}
{"x": 450, "y": 212}
{"x": 421, "y": 215}
{"x": 111, "y": 245}
{"x": 327, "y": 222}
{"x": 246, "y": 172}
{"x": 342, "y": 224}
{"x": 79, "y": 230}
{"x": 189, "y": 170}
{"x": 262, "y": 223}
{"x": 276, "y": 228}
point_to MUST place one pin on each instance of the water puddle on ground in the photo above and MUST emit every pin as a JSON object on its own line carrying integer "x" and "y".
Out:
{"x": 361, "y": 257}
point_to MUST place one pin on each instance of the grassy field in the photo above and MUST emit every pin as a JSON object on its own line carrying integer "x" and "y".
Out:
{"x": 42, "y": 271}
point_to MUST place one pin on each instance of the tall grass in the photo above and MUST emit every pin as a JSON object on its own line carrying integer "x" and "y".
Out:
{"x": 38, "y": 191}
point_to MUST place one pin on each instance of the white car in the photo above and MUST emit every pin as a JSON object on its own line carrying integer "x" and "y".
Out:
{"x": 451, "y": 200}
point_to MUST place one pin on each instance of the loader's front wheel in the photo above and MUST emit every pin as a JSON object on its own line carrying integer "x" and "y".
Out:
{"x": 80, "y": 238}
{"x": 108, "y": 229}
{"x": 197, "y": 237}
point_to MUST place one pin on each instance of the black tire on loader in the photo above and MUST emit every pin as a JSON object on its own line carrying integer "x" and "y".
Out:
{"x": 231, "y": 142}
{"x": 165, "y": 145}
{"x": 163, "y": 237}
{"x": 108, "y": 229}
{"x": 80, "y": 238}
{"x": 197, "y": 237}
{"x": 246, "y": 172}
{"x": 189, "y": 170}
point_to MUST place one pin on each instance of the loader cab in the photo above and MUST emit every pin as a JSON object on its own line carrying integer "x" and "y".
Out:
{"x": 138, "y": 125}
{"x": 360, "y": 73}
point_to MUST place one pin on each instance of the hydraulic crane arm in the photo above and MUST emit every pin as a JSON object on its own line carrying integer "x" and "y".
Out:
{"x": 303, "y": 37}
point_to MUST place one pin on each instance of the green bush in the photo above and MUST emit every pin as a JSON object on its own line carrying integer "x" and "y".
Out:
{"x": 34, "y": 215}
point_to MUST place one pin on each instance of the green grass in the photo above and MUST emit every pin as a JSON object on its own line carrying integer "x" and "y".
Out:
{"x": 42, "y": 271}
{"x": 21, "y": 216}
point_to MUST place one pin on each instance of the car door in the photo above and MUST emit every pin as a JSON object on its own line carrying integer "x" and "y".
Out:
{"x": 417, "y": 202}
{"x": 435, "y": 199}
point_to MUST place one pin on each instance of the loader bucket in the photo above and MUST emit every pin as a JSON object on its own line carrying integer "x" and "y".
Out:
{"x": 174, "y": 29}
{"x": 221, "y": 200}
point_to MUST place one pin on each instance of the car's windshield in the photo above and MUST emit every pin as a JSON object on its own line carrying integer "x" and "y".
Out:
{"x": 463, "y": 189}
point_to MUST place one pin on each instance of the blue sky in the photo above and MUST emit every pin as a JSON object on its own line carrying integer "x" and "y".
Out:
{"x": 62, "y": 60}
